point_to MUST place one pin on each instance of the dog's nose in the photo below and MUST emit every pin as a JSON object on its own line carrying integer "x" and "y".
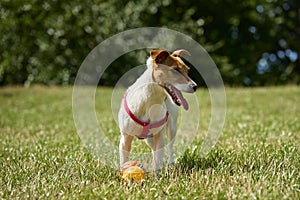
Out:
{"x": 194, "y": 86}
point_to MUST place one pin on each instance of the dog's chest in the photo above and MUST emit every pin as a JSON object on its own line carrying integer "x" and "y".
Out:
{"x": 153, "y": 113}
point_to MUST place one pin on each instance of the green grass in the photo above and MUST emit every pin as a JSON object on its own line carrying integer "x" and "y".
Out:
{"x": 257, "y": 157}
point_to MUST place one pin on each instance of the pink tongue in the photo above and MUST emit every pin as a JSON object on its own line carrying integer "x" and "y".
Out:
{"x": 183, "y": 102}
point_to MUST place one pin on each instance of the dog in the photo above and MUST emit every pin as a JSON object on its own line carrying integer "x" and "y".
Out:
{"x": 150, "y": 105}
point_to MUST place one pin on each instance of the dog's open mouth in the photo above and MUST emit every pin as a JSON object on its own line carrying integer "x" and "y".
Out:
{"x": 176, "y": 95}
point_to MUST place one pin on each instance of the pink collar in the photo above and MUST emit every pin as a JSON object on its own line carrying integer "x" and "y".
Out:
{"x": 146, "y": 125}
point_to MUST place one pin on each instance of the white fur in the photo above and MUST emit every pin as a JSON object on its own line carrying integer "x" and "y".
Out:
{"x": 148, "y": 101}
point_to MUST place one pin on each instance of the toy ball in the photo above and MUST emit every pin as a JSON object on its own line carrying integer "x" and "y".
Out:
{"x": 132, "y": 171}
{"x": 133, "y": 174}
{"x": 130, "y": 164}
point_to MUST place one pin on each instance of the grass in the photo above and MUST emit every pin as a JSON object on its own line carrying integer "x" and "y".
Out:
{"x": 257, "y": 157}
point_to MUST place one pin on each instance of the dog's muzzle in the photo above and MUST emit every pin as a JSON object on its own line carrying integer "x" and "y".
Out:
{"x": 194, "y": 86}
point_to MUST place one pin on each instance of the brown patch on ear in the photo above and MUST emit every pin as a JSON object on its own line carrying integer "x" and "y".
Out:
{"x": 159, "y": 56}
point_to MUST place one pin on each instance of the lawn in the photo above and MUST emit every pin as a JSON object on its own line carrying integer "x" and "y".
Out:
{"x": 257, "y": 156}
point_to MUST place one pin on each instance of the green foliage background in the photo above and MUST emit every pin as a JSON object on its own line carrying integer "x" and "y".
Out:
{"x": 253, "y": 42}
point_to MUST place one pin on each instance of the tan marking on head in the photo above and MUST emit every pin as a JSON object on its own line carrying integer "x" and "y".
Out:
{"x": 177, "y": 54}
{"x": 164, "y": 65}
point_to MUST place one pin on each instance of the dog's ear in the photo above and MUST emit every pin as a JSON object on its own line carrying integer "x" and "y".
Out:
{"x": 180, "y": 52}
{"x": 159, "y": 55}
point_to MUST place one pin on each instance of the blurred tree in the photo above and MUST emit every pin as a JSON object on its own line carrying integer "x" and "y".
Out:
{"x": 44, "y": 41}
{"x": 253, "y": 42}
{"x": 240, "y": 36}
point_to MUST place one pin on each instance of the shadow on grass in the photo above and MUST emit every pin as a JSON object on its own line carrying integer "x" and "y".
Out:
{"x": 257, "y": 159}
{"x": 191, "y": 160}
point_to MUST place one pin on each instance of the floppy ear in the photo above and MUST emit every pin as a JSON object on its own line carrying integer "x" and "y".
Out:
{"x": 180, "y": 52}
{"x": 159, "y": 56}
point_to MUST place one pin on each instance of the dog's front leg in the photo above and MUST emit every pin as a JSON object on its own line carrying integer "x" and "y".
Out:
{"x": 171, "y": 131}
{"x": 158, "y": 151}
{"x": 125, "y": 147}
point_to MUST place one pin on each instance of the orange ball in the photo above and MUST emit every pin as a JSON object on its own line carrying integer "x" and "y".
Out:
{"x": 129, "y": 164}
{"x": 132, "y": 171}
{"x": 133, "y": 174}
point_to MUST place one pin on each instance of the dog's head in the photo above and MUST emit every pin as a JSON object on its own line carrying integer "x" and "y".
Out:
{"x": 170, "y": 72}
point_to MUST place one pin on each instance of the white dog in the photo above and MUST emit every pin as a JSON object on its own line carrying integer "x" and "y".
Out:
{"x": 149, "y": 105}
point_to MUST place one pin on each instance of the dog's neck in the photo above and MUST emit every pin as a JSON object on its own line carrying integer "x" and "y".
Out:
{"x": 145, "y": 93}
